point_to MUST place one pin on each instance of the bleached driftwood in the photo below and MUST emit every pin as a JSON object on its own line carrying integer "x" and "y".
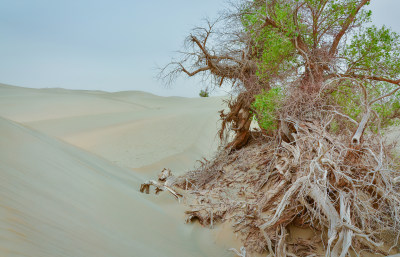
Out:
{"x": 164, "y": 183}
{"x": 145, "y": 188}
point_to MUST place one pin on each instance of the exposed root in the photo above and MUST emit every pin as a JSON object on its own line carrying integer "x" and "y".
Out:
{"x": 269, "y": 185}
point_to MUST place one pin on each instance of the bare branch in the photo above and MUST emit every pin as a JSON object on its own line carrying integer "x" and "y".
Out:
{"x": 190, "y": 74}
{"x": 375, "y": 78}
{"x": 384, "y": 96}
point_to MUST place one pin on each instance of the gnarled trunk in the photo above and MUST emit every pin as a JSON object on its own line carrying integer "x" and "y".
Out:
{"x": 242, "y": 129}
{"x": 240, "y": 118}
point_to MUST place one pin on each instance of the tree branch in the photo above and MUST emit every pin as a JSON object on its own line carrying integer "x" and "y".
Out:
{"x": 384, "y": 96}
{"x": 376, "y": 78}
{"x": 190, "y": 74}
{"x": 345, "y": 27}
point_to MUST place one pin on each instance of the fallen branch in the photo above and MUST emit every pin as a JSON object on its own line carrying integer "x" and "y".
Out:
{"x": 145, "y": 188}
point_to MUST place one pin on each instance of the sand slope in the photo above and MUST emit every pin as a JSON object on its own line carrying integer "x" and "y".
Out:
{"x": 71, "y": 164}
{"x": 132, "y": 129}
{"x": 57, "y": 200}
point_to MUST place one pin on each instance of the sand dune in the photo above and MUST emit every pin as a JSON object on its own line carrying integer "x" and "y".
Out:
{"x": 131, "y": 129}
{"x": 71, "y": 163}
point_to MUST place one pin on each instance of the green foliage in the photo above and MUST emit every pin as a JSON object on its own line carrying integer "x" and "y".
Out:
{"x": 347, "y": 97}
{"x": 276, "y": 55}
{"x": 335, "y": 13}
{"x": 350, "y": 99}
{"x": 204, "y": 93}
{"x": 374, "y": 52}
{"x": 387, "y": 113}
{"x": 274, "y": 49}
{"x": 265, "y": 107}
{"x": 276, "y": 28}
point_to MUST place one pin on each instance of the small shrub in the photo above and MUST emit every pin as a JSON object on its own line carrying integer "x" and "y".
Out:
{"x": 204, "y": 93}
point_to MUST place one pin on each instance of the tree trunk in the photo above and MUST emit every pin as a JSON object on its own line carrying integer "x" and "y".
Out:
{"x": 242, "y": 130}
{"x": 240, "y": 118}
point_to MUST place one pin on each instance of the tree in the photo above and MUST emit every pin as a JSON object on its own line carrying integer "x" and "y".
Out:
{"x": 306, "y": 47}
{"x": 321, "y": 85}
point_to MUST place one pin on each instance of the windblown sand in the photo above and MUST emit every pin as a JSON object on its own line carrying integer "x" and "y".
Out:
{"x": 71, "y": 164}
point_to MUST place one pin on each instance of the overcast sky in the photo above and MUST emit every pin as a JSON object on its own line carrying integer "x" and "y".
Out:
{"x": 110, "y": 45}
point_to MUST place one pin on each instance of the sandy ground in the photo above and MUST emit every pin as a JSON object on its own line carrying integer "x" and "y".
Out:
{"x": 131, "y": 129}
{"x": 71, "y": 164}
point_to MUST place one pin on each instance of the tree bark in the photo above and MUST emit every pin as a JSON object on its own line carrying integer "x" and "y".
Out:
{"x": 242, "y": 130}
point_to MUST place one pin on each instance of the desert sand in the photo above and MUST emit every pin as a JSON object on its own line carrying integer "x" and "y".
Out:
{"x": 72, "y": 162}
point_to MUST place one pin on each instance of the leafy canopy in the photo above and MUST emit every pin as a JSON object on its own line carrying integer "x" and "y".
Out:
{"x": 325, "y": 45}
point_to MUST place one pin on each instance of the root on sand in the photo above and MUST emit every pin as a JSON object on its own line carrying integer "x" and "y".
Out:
{"x": 349, "y": 197}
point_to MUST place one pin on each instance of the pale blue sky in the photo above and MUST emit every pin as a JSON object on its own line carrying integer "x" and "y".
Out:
{"x": 109, "y": 45}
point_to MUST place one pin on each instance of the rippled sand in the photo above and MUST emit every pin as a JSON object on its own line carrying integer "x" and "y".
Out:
{"x": 71, "y": 164}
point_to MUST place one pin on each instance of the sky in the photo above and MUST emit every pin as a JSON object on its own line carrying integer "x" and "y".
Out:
{"x": 110, "y": 45}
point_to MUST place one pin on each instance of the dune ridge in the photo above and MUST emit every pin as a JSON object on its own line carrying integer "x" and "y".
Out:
{"x": 132, "y": 129}
{"x": 65, "y": 189}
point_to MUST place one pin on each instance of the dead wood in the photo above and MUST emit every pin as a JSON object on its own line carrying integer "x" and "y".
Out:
{"x": 165, "y": 183}
{"x": 270, "y": 184}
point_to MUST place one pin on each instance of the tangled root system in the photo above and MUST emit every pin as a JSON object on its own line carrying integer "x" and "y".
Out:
{"x": 349, "y": 197}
